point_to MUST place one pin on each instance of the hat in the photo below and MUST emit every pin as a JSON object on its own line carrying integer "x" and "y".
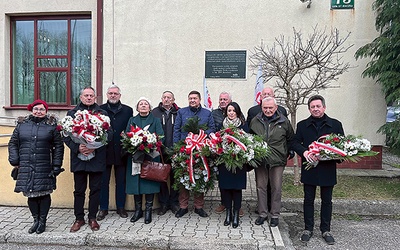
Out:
{"x": 38, "y": 102}
{"x": 143, "y": 99}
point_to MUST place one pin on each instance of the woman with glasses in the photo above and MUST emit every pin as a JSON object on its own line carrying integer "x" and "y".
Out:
{"x": 36, "y": 150}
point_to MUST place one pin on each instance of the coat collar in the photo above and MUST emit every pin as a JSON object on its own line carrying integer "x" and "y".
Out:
{"x": 325, "y": 120}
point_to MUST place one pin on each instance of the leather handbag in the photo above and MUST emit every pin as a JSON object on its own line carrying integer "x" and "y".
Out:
{"x": 155, "y": 171}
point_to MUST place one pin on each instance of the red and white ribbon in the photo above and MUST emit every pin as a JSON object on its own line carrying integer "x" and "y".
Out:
{"x": 194, "y": 141}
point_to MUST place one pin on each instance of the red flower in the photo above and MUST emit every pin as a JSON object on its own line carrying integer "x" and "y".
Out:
{"x": 187, "y": 162}
{"x": 218, "y": 134}
{"x": 141, "y": 147}
{"x": 158, "y": 144}
{"x": 144, "y": 138}
{"x": 182, "y": 150}
{"x": 149, "y": 146}
{"x": 188, "y": 151}
{"x": 76, "y": 129}
{"x": 220, "y": 151}
{"x": 327, "y": 141}
{"x": 197, "y": 155}
{"x": 59, "y": 128}
{"x": 129, "y": 134}
{"x": 336, "y": 139}
{"x": 105, "y": 125}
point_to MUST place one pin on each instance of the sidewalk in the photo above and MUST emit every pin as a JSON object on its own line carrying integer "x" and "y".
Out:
{"x": 165, "y": 232}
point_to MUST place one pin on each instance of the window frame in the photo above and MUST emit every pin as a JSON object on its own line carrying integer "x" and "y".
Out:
{"x": 36, "y": 56}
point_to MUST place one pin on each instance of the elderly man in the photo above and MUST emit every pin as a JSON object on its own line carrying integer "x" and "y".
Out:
{"x": 86, "y": 169}
{"x": 166, "y": 112}
{"x": 218, "y": 114}
{"x": 323, "y": 174}
{"x": 277, "y": 131}
{"x": 194, "y": 109}
{"x": 119, "y": 115}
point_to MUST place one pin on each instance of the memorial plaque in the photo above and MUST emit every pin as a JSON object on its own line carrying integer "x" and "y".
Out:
{"x": 226, "y": 64}
{"x": 342, "y": 4}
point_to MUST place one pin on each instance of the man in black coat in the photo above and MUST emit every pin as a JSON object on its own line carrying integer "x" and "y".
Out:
{"x": 87, "y": 169}
{"x": 166, "y": 112}
{"x": 119, "y": 115}
{"x": 323, "y": 174}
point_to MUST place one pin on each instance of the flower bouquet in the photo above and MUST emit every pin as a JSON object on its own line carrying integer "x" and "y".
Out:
{"x": 139, "y": 142}
{"x": 339, "y": 147}
{"x": 86, "y": 128}
{"x": 234, "y": 148}
{"x": 193, "y": 170}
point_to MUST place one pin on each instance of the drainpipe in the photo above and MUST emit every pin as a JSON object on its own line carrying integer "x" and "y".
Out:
{"x": 99, "y": 52}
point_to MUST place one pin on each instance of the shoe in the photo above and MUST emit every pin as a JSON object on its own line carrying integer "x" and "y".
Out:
{"x": 94, "y": 225}
{"x": 200, "y": 212}
{"x": 122, "y": 213}
{"x": 174, "y": 208}
{"x": 228, "y": 217}
{"x": 42, "y": 225}
{"x": 306, "y": 236}
{"x": 260, "y": 220}
{"x": 181, "y": 212}
{"x": 235, "y": 220}
{"x": 34, "y": 226}
{"x": 274, "y": 222}
{"x": 241, "y": 213}
{"x": 328, "y": 238}
{"x": 220, "y": 209}
{"x": 256, "y": 211}
{"x": 101, "y": 215}
{"x": 77, "y": 225}
{"x": 162, "y": 210}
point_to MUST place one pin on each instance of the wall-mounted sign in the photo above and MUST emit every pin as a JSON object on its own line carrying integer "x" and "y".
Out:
{"x": 342, "y": 4}
{"x": 226, "y": 64}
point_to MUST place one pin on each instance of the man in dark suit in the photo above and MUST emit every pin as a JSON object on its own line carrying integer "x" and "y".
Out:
{"x": 323, "y": 174}
{"x": 119, "y": 115}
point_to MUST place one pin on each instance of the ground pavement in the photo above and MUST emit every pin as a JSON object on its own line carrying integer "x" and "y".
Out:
{"x": 167, "y": 231}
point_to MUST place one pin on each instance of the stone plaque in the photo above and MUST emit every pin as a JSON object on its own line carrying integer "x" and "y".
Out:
{"x": 226, "y": 64}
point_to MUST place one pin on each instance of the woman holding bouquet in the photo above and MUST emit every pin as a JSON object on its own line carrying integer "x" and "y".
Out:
{"x": 37, "y": 150}
{"x": 231, "y": 183}
{"x": 134, "y": 184}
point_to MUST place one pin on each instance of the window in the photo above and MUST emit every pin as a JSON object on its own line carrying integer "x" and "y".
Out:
{"x": 50, "y": 58}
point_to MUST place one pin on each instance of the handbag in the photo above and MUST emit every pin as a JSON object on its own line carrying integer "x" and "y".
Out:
{"x": 155, "y": 171}
{"x": 14, "y": 173}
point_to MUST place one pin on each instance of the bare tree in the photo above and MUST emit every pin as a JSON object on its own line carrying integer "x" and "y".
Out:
{"x": 301, "y": 67}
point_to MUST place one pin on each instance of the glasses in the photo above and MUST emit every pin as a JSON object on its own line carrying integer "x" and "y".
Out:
{"x": 39, "y": 109}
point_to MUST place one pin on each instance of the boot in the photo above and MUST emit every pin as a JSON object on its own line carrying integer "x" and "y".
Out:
{"x": 228, "y": 218}
{"x": 138, "y": 209}
{"x": 149, "y": 208}
{"x": 45, "y": 203}
{"x": 235, "y": 221}
{"x": 34, "y": 208}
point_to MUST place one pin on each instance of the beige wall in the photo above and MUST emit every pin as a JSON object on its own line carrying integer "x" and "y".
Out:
{"x": 154, "y": 45}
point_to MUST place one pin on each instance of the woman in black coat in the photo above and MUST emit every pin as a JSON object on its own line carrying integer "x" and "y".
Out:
{"x": 37, "y": 150}
{"x": 231, "y": 184}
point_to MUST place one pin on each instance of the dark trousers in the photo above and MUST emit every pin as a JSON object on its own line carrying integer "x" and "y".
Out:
{"x": 230, "y": 196}
{"x": 120, "y": 180}
{"x": 168, "y": 197}
{"x": 80, "y": 185}
{"x": 326, "y": 207}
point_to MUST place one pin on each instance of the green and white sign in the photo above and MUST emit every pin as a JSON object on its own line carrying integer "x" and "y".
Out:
{"x": 342, "y": 4}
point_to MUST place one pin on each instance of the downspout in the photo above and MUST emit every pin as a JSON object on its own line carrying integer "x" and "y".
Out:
{"x": 99, "y": 52}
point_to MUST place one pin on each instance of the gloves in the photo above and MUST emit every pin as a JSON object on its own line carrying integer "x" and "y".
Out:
{"x": 56, "y": 171}
{"x": 291, "y": 154}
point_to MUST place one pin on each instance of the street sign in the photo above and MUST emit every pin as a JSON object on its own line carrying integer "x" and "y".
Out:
{"x": 342, "y": 4}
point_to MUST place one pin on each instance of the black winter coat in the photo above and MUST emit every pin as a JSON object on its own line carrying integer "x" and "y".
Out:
{"x": 96, "y": 164}
{"x": 324, "y": 174}
{"x": 167, "y": 122}
{"x": 35, "y": 146}
{"x": 119, "y": 116}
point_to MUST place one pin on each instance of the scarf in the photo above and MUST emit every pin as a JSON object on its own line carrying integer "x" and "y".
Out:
{"x": 235, "y": 122}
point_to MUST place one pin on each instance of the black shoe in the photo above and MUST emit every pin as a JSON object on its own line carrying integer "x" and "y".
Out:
{"x": 260, "y": 220}
{"x": 200, "y": 212}
{"x": 174, "y": 208}
{"x": 162, "y": 210}
{"x": 274, "y": 222}
{"x": 137, "y": 215}
{"x": 101, "y": 215}
{"x": 181, "y": 212}
{"x": 306, "y": 236}
{"x": 122, "y": 213}
{"x": 34, "y": 226}
{"x": 328, "y": 238}
{"x": 228, "y": 217}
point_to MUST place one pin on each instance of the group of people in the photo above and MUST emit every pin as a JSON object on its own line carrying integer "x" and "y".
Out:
{"x": 36, "y": 148}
